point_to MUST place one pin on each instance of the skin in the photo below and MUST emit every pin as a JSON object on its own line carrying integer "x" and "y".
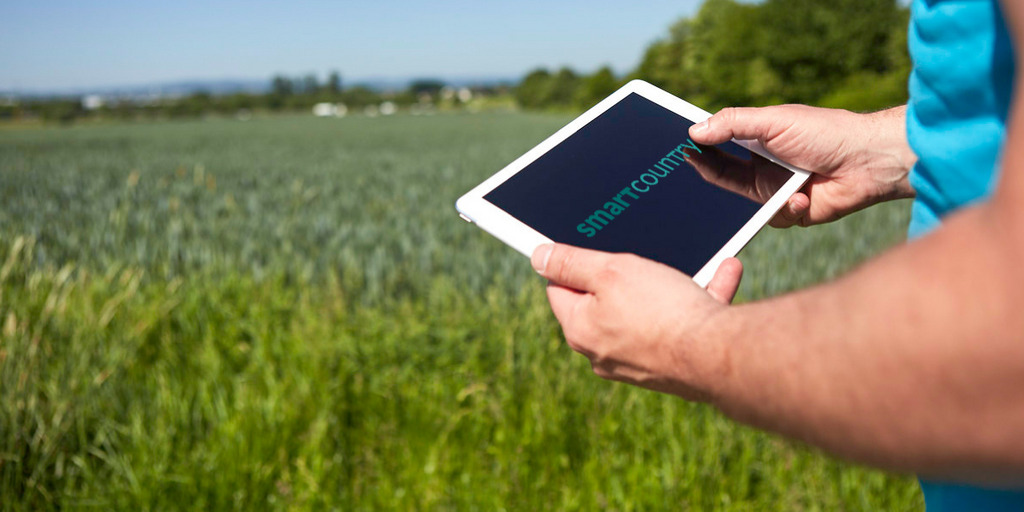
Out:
{"x": 912, "y": 362}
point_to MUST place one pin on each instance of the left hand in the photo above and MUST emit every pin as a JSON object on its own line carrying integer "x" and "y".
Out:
{"x": 639, "y": 321}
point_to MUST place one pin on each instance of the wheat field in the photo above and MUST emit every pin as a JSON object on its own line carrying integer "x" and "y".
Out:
{"x": 287, "y": 314}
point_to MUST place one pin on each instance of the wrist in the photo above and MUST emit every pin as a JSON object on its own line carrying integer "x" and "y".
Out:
{"x": 892, "y": 154}
{"x": 735, "y": 383}
{"x": 711, "y": 349}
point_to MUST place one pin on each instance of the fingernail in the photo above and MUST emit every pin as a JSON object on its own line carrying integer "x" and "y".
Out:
{"x": 699, "y": 127}
{"x": 540, "y": 257}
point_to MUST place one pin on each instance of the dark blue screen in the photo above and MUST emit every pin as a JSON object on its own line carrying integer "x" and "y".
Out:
{"x": 589, "y": 190}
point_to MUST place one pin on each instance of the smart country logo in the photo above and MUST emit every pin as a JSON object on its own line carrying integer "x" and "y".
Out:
{"x": 642, "y": 185}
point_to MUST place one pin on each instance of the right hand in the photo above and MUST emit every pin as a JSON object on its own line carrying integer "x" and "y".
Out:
{"x": 857, "y": 160}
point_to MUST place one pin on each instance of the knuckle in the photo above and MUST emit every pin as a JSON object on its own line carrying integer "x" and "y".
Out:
{"x": 576, "y": 336}
{"x": 633, "y": 261}
{"x": 727, "y": 115}
{"x": 601, "y": 370}
{"x": 608, "y": 271}
{"x": 633, "y": 266}
{"x": 573, "y": 343}
{"x": 571, "y": 330}
{"x": 729, "y": 112}
{"x": 599, "y": 355}
{"x": 563, "y": 260}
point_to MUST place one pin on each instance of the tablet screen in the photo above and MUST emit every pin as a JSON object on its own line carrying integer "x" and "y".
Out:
{"x": 631, "y": 180}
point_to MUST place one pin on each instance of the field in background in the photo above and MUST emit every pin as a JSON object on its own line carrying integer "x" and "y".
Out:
{"x": 287, "y": 313}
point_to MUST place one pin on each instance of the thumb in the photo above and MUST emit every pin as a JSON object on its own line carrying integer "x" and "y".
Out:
{"x": 571, "y": 267}
{"x": 726, "y": 281}
{"x": 743, "y": 123}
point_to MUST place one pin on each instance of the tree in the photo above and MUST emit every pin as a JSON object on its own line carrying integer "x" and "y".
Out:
{"x": 532, "y": 90}
{"x": 814, "y": 47}
{"x": 333, "y": 83}
{"x": 540, "y": 89}
{"x": 722, "y": 52}
{"x": 665, "y": 64}
{"x": 359, "y": 97}
{"x": 310, "y": 84}
{"x": 562, "y": 89}
{"x": 281, "y": 85}
{"x": 595, "y": 88}
{"x": 426, "y": 86}
{"x": 845, "y": 52}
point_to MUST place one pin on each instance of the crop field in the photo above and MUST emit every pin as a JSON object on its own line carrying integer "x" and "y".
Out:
{"x": 287, "y": 314}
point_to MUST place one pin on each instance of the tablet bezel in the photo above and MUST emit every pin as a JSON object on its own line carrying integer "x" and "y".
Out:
{"x": 474, "y": 208}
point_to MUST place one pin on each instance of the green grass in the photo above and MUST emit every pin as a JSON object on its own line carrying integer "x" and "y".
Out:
{"x": 288, "y": 314}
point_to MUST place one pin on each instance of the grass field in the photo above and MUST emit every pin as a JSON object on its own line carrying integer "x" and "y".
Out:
{"x": 287, "y": 314}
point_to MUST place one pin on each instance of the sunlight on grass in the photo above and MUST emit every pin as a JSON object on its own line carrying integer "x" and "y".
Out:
{"x": 288, "y": 314}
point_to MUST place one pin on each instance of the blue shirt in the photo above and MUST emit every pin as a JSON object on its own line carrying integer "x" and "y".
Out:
{"x": 960, "y": 93}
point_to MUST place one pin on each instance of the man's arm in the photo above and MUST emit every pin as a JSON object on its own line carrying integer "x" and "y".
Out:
{"x": 914, "y": 361}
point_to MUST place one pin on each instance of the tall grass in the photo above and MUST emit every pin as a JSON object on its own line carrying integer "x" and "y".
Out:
{"x": 287, "y": 314}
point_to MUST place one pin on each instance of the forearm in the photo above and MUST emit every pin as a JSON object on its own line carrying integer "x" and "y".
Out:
{"x": 913, "y": 362}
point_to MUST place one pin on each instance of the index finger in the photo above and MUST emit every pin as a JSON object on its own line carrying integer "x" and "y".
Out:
{"x": 744, "y": 123}
{"x": 571, "y": 267}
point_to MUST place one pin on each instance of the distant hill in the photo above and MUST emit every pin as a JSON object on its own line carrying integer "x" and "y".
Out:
{"x": 395, "y": 83}
{"x": 162, "y": 89}
{"x": 230, "y": 86}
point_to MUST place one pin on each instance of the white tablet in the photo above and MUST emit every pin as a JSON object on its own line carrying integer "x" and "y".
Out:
{"x": 625, "y": 177}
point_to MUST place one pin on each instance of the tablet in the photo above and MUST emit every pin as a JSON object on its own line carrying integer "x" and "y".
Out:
{"x": 626, "y": 177}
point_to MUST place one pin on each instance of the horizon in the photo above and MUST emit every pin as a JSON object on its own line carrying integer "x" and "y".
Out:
{"x": 64, "y": 46}
{"x": 219, "y": 85}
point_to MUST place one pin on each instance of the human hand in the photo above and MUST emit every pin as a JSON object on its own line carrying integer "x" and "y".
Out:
{"x": 638, "y": 321}
{"x": 856, "y": 159}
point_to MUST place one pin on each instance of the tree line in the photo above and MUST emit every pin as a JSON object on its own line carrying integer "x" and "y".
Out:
{"x": 843, "y": 53}
{"x": 283, "y": 94}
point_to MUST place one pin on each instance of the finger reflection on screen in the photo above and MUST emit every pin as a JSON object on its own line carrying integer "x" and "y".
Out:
{"x": 755, "y": 178}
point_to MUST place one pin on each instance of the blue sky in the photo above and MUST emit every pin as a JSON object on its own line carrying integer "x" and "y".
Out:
{"x": 72, "y": 44}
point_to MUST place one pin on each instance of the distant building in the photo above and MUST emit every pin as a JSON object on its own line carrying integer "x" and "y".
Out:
{"x": 323, "y": 110}
{"x": 93, "y": 102}
{"x": 330, "y": 110}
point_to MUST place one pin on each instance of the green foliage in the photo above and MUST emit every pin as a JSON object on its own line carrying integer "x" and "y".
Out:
{"x": 533, "y": 89}
{"x": 867, "y": 91}
{"x": 595, "y": 88}
{"x": 310, "y": 84}
{"x": 562, "y": 88}
{"x": 776, "y": 51}
{"x": 287, "y": 314}
{"x": 333, "y": 85}
{"x": 281, "y": 86}
{"x": 725, "y": 57}
{"x": 815, "y": 46}
{"x": 542, "y": 89}
{"x": 58, "y": 110}
{"x": 845, "y": 54}
{"x": 426, "y": 86}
